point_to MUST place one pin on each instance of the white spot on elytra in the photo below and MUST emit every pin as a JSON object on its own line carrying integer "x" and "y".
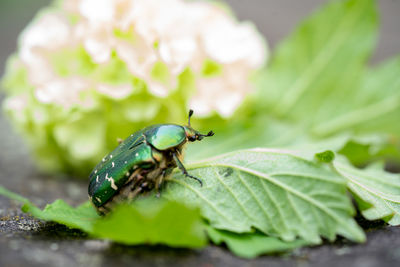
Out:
{"x": 95, "y": 171}
{"x": 104, "y": 159}
{"x": 127, "y": 174}
{"x": 112, "y": 164}
{"x": 137, "y": 154}
{"x": 111, "y": 180}
{"x": 97, "y": 179}
{"x": 110, "y": 156}
{"x": 126, "y": 162}
{"x": 98, "y": 199}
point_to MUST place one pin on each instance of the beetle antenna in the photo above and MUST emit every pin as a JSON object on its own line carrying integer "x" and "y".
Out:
{"x": 190, "y": 115}
{"x": 210, "y": 133}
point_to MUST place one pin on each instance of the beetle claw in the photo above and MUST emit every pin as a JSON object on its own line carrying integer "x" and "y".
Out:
{"x": 197, "y": 179}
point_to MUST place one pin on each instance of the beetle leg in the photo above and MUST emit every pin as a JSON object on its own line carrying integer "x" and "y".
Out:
{"x": 159, "y": 182}
{"x": 134, "y": 193}
{"x": 143, "y": 185}
{"x": 183, "y": 169}
{"x": 138, "y": 179}
{"x": 103, "y": 210}
{"x": 136, "y": 174}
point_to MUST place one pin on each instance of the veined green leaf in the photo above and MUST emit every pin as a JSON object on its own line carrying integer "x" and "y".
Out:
{"x": 380, "y": 189}
{"x": 274, "y": 191}
{"x": 320, "y": 73}
{"x": 373, "y": 107}
{"x": 250, "y": 245}
{"x": 320, "y": 64}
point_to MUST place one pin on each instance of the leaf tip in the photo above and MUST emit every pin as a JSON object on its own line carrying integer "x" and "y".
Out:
{"x": 325, "y": 156}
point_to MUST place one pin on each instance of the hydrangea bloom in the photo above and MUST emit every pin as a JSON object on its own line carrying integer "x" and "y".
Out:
{"x": 88, "y": 71}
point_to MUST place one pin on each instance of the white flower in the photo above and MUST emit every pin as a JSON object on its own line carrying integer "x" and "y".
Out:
{"x": 47, "y": 34}
{"x": 97, "y": 11}
{"x": 16, "y": 103}
{"x": 99, "y": 45}
{"x": 228, "y": 43}
{"x": 115, "y": 91}
{"x": 210, "y": 97}
{"x": 64, "y": 92}
{"x": 177, "y": 53}
{"x": 139, "y": 57}
{"x": 144, "y": 34}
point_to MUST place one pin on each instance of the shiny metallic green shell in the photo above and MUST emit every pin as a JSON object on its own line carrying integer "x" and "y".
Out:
{"x": 136, "y": 151}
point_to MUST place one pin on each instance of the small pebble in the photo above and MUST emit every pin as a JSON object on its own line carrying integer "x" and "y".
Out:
{"x": 97, "y": 244}
{"x": 13, "y": 244}
{"x": 342, "y": 251}
{"x": 54, "y": 246}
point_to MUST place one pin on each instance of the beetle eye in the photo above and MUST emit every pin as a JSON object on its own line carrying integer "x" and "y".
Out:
{"x": 192, "y": 138}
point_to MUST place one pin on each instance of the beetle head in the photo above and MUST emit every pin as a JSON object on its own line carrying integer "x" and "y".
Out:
{"x": 193, "y": 135}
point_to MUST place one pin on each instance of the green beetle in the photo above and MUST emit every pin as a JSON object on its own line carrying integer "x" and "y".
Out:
{"x": 141, "y": 163}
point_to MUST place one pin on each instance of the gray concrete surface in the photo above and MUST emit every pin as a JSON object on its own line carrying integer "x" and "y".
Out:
{"x": 25, "y": 241}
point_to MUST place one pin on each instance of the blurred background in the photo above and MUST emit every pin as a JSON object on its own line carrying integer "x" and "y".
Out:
{"x": 274, "y": 19}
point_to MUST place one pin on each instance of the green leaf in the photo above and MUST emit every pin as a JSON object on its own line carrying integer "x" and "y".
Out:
{"x": 318, "y": 66}
{"x": 153, "y": 222}
{"x": 144, "y": 222}
{"x": 274, "y": 191}
{"x": 251, "y": 245}
{"x": 378, "y": 188}
{"x": 373, "y": 107}
{"x": 320, "y": 73}
{"x": 326, "y": 156}
{"x": 81, "y": 217}
{"x": 372, "y": 148}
